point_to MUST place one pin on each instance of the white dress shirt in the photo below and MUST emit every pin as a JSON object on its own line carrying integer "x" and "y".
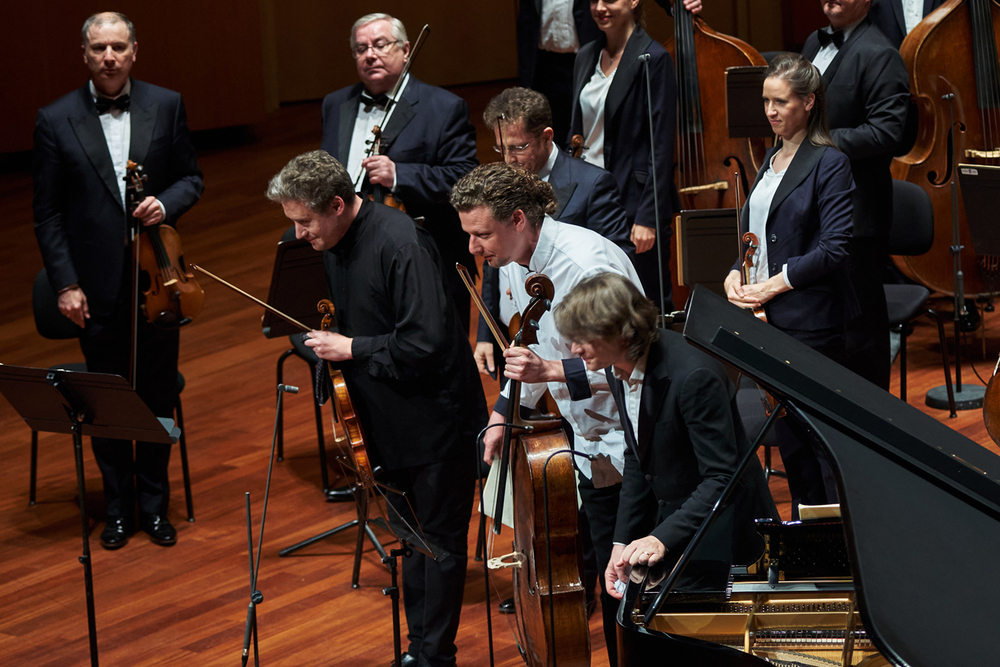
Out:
{"x": 632, "y": 386}
{"x": 117, "y": 125}
{"x": 825, "y": 55}
{"x": 550, "y": 164}
{"x": 760, "y": 206}
{"x": 558, "y": 29}
{"x": 913, "y": 13}
{"x": 362, "y": 137}
{"x": 568, "y": 254}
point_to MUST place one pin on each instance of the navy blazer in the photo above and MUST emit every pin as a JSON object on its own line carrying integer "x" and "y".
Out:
{"x": 887, "y": 15}
{"x": 586, "y": 196}
{"x": 867, "y": 96}
{"x": 78, "y": 211}
{"x": 627, "y": 153}
{"x": 433, "y": 143}
{"x": 529, "y": 30}
{"x": 690, "y": 442}
{"x": 809, "y": 228}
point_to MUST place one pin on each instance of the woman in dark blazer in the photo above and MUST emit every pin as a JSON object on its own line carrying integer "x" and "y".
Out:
{"x": 610, "y": 111}
{"x": 801, "y": 213}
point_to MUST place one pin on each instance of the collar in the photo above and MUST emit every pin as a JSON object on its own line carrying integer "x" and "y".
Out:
{"x": 546, "y": 245}
{"x": 550, "y": 164}
{"x": 638, "y": 372}
{"x": 126, "y": 89}
{"x": 848, "y": 29}
{"x": 350, "y": 238}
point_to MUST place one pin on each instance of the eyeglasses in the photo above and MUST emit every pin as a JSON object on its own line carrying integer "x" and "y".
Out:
{"x": 515, "y": 150}
{"x": 380, "y": 47}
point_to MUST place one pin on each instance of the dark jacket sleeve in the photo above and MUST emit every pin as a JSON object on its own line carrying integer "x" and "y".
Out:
{"x": 886, "y": 86}
{"x": 186, "y": 182}
{"x": 606, "y": 214}
{"x": 49, "y": 204}
{"x": 663, "y": 93}
{"x": 636, "y": 503}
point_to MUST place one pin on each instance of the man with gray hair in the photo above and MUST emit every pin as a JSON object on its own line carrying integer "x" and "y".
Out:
{"x": 83, "y": 141}
{"x": 408, "y": 366}
{"x": 428, "y": 141}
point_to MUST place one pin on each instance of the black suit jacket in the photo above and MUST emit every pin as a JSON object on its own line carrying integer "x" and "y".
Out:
{"x": 887, "y": 15}
{"x": 627, "y": 153}
{"x": 433, "y": 143}
{"x": 586, "y": 196}
{"x": 809, "y": 228}
{"x": 78, "y": 211}
{"x": 689, "y": 442}
{"x": 867, "y": 94}
{"x": 529, "y": 29}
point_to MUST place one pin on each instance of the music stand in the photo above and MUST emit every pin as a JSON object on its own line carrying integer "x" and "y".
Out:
{"x": 78, "y": 403}
{"x": 744, "y": 109}
{"x": 296, "y": 266}
{"x": 700, "y": 235}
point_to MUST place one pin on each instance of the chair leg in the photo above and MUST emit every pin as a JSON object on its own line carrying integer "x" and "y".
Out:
{"x": 184, "y": 461}
{"x": 34, "y": 467}
{"x": 281, "y": 412}
{"x": 324, "y": 473}
{"x": 902, "y": 361}
{"x": 944, "y": 361}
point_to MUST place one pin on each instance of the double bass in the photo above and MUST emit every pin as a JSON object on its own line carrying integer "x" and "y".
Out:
{"x": 952, "y": 52}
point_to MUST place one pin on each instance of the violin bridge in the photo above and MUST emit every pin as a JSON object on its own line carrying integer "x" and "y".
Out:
{"x": 983, "y": 155}
{"x": 514, "y": 559}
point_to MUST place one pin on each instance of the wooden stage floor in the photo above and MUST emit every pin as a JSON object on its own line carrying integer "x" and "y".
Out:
{"x": 186, "y": 605}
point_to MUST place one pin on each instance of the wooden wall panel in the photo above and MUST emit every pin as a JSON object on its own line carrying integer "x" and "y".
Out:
{"x": 209, "y": 52}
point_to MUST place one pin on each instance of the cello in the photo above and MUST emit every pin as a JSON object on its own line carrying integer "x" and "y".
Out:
{"x": 550, "y": 603}
{"x": 953, "y": 51}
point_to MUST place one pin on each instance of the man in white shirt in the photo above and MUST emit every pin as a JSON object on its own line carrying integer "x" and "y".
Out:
{"x": 504, "y": 210}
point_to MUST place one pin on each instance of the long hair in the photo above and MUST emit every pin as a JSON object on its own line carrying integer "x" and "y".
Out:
{"x": 804, "y": 79}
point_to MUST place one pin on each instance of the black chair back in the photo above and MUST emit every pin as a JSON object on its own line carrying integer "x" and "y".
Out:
{"x": 912, "y": 231}
{"x": 50, "y": 323}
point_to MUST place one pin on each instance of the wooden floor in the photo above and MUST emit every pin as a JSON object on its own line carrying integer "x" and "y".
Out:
{"x": 186, "y": 605}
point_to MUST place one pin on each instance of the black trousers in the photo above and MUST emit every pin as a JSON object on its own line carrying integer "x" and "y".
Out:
{"x": 867, "y": 345}
{"x": 440, "y": 505}
{"x": 648, "y": 268}
{"x": 139, "y": 474}
{"x": 554, "y": 79}
{"x": 601, "y": 507}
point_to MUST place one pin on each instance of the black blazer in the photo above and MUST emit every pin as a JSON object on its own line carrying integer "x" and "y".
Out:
{"x": 529, "y": 29}
{"x": 79, "y": 217}
{"x": 433, "y": 143}
{"x": 689, "y": 443}
{"x": 887, "y": 15}
{"x": 627, "y": 153}
{"x": 867, "y": 94}
{"x": 809, "y": 228}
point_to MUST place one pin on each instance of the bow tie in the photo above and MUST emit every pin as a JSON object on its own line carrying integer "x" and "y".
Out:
{"x": 104, "y": 104}
{"x": 379, "y": 101}
{"x": 826, "y": 38}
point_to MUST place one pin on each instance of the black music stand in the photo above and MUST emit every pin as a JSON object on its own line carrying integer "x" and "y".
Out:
{"x": 297, "y": 284}
{"x": 744, "y": 109}
{"x": 700, "y": 235}
{"x": 78, "y": 403}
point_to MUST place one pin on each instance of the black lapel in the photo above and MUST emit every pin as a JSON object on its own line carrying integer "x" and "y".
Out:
{"x": 811, "y": 47}
{"x": 617, "y": 389}
{"x": 90, "y": 134}
{"x": 654, "y": 386}
{"x": 403, "y": 114}
{"x": 563, "y": 195}
{"x": 629, "y": 68}
{"x": 583, "y": 74}
{"x": 897, "y": 12}
{"x": 348, "y": 114}
{"x": 143, "y": 120}
{"x": 802, "y": 165}
{"x": 831, "y": 71}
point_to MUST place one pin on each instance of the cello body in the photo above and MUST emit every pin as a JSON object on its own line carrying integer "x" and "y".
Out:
{"x": 705, "y": 156}
{"x": 952, "y": 51}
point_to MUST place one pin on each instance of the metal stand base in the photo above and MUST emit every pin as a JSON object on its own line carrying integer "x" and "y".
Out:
{"x": 969, "y": 397}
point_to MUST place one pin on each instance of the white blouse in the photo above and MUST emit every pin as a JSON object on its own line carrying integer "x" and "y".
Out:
{"x": 760, "y": 205}
{"x": 592, "y": 99}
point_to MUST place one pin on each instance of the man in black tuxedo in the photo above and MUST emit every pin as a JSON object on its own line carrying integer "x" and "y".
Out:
{"x": 82, "y": 143}
{"x": 428, "y": 142}
{"x": 683, "y": 433}
{"x": 896, "y": 18}
{"x": 586, "y": 195}
{"x": 867, "y": 95}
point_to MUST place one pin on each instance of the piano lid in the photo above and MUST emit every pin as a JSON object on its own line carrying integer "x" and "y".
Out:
{"x": 921, "y": 502}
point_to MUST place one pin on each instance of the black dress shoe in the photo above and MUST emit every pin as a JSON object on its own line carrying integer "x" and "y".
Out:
{"x": 507, "y": 606}
{"x": 341, "y": 494}
{"x": 115, "y": 533}
{"x": 408, "y": 660}
{"x": 159, "y": 530}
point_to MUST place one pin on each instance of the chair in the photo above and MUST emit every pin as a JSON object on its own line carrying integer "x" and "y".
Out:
{"x": 51, "y": 324}
{"x": 912, "y": 233}
{"x": 305, "y": 353}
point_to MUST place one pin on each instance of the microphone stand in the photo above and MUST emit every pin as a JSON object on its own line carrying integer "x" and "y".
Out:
{"x": 971, "y": 396}
{"x": 656, "y": 199}
{"x": 256, "y": 597}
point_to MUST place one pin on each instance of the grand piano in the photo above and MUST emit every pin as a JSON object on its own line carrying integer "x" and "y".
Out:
{"x": 910, "y": 573}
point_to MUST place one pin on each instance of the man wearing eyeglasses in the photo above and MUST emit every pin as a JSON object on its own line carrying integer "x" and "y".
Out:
{"x": 428, "y": 142}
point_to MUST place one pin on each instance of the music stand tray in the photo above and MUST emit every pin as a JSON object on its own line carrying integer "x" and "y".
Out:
{"x": 298, "y": 282}
{"x": 94, "y": 404}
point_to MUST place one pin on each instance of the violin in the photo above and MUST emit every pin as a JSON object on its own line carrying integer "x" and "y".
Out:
{"x": 576, "y": 146}
{"x": 380, "y": 193}
{"x": 545, "y": 588}
{"x": 752, "y": 246}
{"x": 171, "y": 297}
{"x": 350, "y": 423}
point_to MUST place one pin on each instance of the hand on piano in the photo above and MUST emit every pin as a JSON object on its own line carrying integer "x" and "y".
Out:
{"x": 645, "y": 551}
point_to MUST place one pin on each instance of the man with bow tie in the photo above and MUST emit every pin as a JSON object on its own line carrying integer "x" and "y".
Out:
{"x": 867, "y": 95}
{"x": 82, "y": 143}
{"x": 428, "y": 142}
